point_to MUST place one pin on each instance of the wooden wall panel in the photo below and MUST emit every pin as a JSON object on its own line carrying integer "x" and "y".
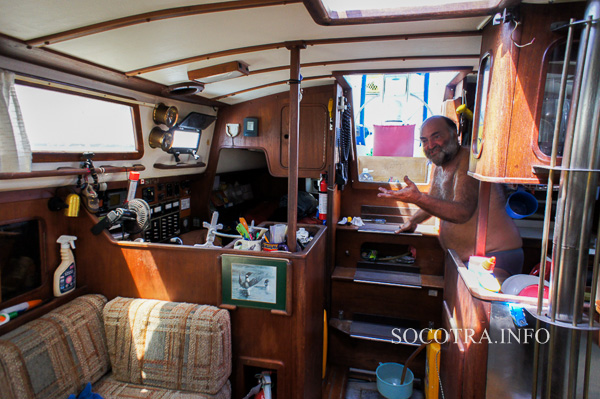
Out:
{"x": 33, "y": 204}
{"x": 471, "y": 315}
{"x": 516, "y": 92}
{"x": 314, "y": 125}
{"x": 496, "y": 40}
{"x": 192, "y": 274}
{"x": 270, "y": 110}
{"x": 410, "y": 304}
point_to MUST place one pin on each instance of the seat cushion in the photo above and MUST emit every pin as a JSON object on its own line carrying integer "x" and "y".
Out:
{"x": 57, "y": 354}
{"x": 109, "y": 388}
{"x": 170, "y": 345}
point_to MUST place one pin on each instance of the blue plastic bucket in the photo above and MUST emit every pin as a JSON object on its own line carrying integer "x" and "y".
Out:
{"x": 388, "y": 381}
{"x": 521, "y": 204}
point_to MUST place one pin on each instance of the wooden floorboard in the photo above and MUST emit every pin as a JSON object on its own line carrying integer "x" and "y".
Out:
{"x": 334, "y": 385}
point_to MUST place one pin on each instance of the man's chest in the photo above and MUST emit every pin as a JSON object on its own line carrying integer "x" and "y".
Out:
{"x": 444, "y": 183}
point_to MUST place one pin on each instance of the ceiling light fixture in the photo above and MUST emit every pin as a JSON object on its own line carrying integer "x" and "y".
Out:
{"x": 183, "y": 89}
{"x": 217, "y": 73}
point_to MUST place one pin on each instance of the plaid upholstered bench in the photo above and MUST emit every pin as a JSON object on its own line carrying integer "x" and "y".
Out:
{"x": 127, "y": 348}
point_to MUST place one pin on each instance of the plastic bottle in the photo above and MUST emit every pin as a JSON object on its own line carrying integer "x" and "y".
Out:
{"x": 483, "y": 267}
{"x": 323, "y": 197}
{"x": 65, "y": 276}
{"x": 133, "y": 182}
{"x": 365, "y": 175}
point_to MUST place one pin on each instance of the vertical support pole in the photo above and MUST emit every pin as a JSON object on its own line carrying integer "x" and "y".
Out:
{"x": 425, "y": 94}
{"x": 294, "y": 123}
{"x": 482, "y": 217}
{"x": 361, "y": 120}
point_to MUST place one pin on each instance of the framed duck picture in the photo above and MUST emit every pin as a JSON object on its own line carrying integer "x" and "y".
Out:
{"x": 256, "y": 282}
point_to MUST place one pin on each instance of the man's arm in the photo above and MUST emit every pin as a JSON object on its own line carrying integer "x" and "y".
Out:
{"x": 411, "y": 224}
{"x": 459, "y": 210}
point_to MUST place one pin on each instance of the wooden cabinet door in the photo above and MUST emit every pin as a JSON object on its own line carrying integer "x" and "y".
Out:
{"x": 314, "y": 127}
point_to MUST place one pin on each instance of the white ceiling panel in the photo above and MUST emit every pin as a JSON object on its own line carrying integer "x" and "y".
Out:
{"x": 30, "y": 19}
{"x": 148, "y": 44}
{"x": 143, "y": 45}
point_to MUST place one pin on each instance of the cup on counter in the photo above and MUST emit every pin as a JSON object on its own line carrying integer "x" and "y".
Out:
{"x": 274, "y": 246}
{"x": 248, "y": 245}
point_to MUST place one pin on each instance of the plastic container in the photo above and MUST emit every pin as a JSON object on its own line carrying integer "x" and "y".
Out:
{"x": 388, "y": 381}
{"x": 521, "y": 204}
{"x": 65, "y": 276}
{"x": 365, "y": 175}
{"x": 483, "y": 267}
{"x": 134, "y": 177}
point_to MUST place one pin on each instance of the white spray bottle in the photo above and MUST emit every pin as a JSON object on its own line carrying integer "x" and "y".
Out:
{"x": 65, "y": 276}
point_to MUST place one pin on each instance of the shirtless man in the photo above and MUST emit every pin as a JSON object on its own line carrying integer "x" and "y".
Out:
{"x": 454, "y": 199}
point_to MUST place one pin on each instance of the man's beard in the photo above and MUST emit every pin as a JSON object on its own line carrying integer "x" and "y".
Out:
{"x": 444, "y": 154}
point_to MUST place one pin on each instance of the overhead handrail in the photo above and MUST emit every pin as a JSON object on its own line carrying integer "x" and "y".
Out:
{"x": 69, "y": 172}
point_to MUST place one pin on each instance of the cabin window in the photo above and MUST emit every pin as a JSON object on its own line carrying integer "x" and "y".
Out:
{"x": 555, "y": 59}
{"x": 62, "y": 125}
{"x": 388, "y": 112}
{"x": 483, "y": 88}
{"x": 20, "y": 263}
{"x": 353, "y": 11}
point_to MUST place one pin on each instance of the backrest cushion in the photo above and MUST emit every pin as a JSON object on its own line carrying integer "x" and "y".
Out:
{"x": 57, "y": 354}
{"x": 168, "y": 344}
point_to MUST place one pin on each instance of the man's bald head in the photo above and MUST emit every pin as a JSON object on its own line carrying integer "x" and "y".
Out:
{"x": 451, "y": 126}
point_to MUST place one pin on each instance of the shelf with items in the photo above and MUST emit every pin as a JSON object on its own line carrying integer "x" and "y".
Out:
{"x": 45, "y": 307}
{"x": 385, "y": 290}
{"x": 353, "y": 247}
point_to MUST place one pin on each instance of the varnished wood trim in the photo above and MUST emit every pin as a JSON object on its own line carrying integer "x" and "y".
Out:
{"x": 288, "y": 293}
{"x": 507, "y": 180}
{"x": 154, "y": 16}
{"x": 69, "y": 172}
{"x": 270, "y": 85}
{"x": 489, "y": 56}
{"x": 482, "y": 217}
{"x": 403, "y": 70}
{"x": 273, "y": 46}
{"x": 378, "y": 59}
{"x": 293, "y": 145}
{"x": 203, "y": 57}
{"x": 322, "y": 17}
{"x": 450, "y": 87}
{"x": 179, "y": 165}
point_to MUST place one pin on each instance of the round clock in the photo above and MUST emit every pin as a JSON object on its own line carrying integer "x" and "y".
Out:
{"x": 165, "y": 115}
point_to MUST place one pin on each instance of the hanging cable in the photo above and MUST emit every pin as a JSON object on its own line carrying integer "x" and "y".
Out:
{"x": 513, "y": 40}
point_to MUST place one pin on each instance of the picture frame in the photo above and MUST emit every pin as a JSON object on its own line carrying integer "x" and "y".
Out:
{"x": 256, "y": 282}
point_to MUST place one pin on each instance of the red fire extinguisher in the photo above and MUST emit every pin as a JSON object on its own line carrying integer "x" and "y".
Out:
{"x": 323, "y": 198}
